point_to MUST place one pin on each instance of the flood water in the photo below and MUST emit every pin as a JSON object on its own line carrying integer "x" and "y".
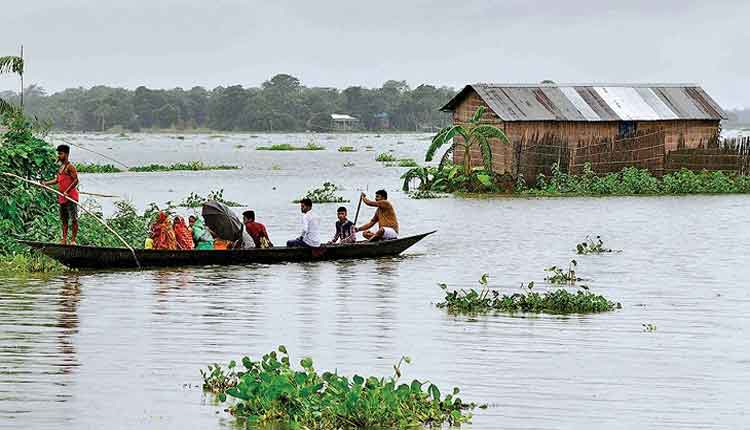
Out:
{"x": 122, "y": 350}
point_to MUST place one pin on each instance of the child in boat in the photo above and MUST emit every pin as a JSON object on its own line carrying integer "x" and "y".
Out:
{"x": 344, "y": 228}
{"x": 201, "y": 237}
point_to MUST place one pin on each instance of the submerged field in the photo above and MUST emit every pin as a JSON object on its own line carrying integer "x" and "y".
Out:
{"x": 76, "y": 345}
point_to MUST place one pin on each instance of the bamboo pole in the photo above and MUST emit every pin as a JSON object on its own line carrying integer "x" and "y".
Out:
{"x": 90, "y": 150}
{"x": 37, "y": 184}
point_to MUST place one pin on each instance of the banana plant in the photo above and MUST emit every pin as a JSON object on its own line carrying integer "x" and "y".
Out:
{"x": 471, "y": 134}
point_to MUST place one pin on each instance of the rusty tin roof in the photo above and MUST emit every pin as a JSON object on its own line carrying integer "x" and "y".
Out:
{"x": 594, "y": 102}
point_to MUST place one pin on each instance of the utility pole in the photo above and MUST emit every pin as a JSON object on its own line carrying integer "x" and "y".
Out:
{"x": 22, "y": 78}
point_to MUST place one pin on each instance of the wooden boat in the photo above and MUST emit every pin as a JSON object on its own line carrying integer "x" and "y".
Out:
{"x": 93, "y": 257}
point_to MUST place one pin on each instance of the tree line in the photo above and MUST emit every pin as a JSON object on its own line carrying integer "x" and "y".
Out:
{"x": 279, "y": 104}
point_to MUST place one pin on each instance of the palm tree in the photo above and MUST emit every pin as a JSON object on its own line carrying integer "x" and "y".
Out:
{"x": 10, "y": 64}
{"x": 472, "y": 134}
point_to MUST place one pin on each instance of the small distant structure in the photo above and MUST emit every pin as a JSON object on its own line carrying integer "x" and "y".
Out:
{"x": 660, "y": 127}
{"x": 344, "y": 122}
{"x": 382, "y": 121}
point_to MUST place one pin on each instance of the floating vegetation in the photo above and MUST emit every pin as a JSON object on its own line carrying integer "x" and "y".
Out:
{"x": 275, "y": 167}
{"x": 559, "y": 301}
{"x": 347, "y": 149}
{"x": 385, "y": 157}
{"x": 407, "y": 162}
{"x": 239, "y": 146}
{"x": 195, "y": 200}
{"x": 591, "y": 246}
{"x": 189, "y": 166}
{"x": 348, "y": 164}
{"x": 425, "y": 194}
{"x": 97, "y": 168}
{"x": 648, "y": 327}
{"x": 634, "y": 181}
{"x": 326, "y": 194}
{"x": 289, "y": 147}
{"x": 270, "y": 391}
{"x": 25, "y": 264}
{"x": 559, "y": 276}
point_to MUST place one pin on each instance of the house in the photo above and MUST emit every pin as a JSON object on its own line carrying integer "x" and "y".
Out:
{"x": 343, "y": 122}
{"x": 609, "y": 126}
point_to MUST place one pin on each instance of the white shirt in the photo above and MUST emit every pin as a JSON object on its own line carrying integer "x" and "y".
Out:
{"x": 311, "y": 229}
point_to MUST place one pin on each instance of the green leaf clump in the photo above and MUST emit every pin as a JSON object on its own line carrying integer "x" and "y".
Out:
{"x": 271, "y": 391}
{"x": 558, "y": 301}
{"x": 325, "y": 194}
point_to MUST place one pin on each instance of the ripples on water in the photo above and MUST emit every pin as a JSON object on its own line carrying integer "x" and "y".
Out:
{"x": 123, "y": 349}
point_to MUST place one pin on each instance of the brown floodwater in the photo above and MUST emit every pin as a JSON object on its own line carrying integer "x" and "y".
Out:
{"x": 122, "y": 350}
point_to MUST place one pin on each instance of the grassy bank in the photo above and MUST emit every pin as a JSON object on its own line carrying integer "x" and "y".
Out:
{"x": 29, "y": 264}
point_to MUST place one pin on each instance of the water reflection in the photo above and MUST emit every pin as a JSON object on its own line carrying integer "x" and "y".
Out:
{"x": 70, "y": 297}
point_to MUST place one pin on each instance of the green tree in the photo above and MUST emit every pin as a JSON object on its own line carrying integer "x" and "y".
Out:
{"x": 10, "y": 64}
{"x": 466, "y": 137}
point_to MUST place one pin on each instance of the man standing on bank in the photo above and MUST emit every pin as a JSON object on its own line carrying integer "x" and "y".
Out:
{"x": 310, "y": 237}
{"x": 67, "y": 183}
{"x": 385, "y": 217}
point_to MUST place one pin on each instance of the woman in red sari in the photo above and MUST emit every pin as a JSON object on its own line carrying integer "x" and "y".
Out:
{"x": 162, "y": 233}
{"x": 182, "y": 234}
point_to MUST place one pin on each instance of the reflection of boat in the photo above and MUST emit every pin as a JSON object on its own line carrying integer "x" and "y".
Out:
{"x": 92, "y": 257}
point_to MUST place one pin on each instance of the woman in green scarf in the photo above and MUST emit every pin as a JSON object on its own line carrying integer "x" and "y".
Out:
{"x": 201, "y": 236}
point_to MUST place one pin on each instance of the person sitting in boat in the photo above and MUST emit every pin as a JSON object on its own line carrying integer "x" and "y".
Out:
{"x": 310, "y": 237}
{"x": 201, "y": 237}
{"x": 256, "y": 230}
{"x": 67, "y": 183}
{"x": 183, "y": 236}
{"x": 344, "y": 228}
{"x": 385, "y": 217}
{"x": 162, "y": 233}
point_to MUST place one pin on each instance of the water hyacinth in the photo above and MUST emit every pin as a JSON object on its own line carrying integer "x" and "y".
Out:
{"x": 270, "y": 391}
{"x": 558, "y": 301}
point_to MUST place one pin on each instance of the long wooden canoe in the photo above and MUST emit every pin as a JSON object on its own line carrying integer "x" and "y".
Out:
{"x": 93, "y": 257}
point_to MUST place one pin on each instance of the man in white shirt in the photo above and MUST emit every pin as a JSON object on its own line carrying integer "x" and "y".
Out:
{"x": 310, "y": 237}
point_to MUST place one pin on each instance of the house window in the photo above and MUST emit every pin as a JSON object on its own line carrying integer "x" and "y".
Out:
{"x": 625, "y": 129}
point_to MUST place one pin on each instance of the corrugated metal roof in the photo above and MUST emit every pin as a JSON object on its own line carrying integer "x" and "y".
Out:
{"x": 594, "y": 102}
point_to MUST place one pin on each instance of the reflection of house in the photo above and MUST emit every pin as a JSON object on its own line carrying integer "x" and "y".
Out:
{"x": 343, "y": 122}
{"x": 610, "y": 126}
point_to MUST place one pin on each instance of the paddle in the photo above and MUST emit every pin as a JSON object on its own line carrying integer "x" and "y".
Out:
{"x": 356, "y": 216}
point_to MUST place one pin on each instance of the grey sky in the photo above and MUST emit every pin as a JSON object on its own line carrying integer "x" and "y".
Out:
{"x": 168, "y": 43}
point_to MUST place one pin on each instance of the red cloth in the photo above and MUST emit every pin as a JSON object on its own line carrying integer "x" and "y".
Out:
{"x": 256, "y": 230}
{"x": 182, "y": 234}
{"x": 65, "y": 180}
{"x": 162, "y": 233}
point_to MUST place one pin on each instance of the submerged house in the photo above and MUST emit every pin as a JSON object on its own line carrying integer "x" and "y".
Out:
{"x": 610, "y": 126}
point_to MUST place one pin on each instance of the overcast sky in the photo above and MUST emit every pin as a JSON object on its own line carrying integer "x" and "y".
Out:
{"x": 169, "y": 43}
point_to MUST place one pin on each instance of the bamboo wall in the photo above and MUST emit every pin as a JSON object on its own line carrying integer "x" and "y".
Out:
{"x": 535, "y": 144}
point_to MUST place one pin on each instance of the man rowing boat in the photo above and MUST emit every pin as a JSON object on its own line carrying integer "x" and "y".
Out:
{"x": 67, "y": 183}
{"x": 385, "y": 217}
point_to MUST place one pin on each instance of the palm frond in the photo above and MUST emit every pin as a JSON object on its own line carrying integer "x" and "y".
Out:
{"x": 11, "y": 64}
{"x": 477, "y": 115}
{"x": 409, "y": 175}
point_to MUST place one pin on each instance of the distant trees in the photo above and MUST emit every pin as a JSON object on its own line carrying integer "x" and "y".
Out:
{"x": 280, "y": 104}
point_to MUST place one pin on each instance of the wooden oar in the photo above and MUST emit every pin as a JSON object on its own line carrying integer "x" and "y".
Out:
{"x": 37, "y": 184}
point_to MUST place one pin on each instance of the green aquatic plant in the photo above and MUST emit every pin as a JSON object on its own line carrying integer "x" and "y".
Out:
{"x": 634, "y": 181}
{"x": 558, "y": 275}
{"x": 648, "y": 327}
{"x": 195, "y": 200}
{"x": 289, "y": 147}
{"x": 558, "y": 301}
{"x": 189, "y": 166}
{"x": 270, "y": 391}
{"x": 347, "y": 149}
{"x": 407, "y": 162}
{"x": 325, "y": 194}
{"x": 385, "y": 157}
{"x": 425, "y": 194}
{"x": 97, "y": 168}
{"x": 592, "y": 246}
